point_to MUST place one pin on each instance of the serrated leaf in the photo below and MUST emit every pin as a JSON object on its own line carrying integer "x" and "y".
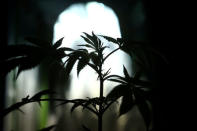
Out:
{"x": 58, "y": 43}
{"x": 95, "y": 59}
{"x": 116, "y": 80}
{"x": 60, "y": 53}
{"x": 145, "y": 112}
{"x": 127, "y": 103}
{"x": 143, "y": 107}
{"x": 86, "y": 39}
{"x": 67, "y": 49}
{"x": 117, "y": 92}
{"x": 110, "y": 39}
{"x": 90, "y": 38}
{"x": 70, "y": 63}
{"x": 7, "y": 66}
{"x": 41, "y": 93}
{"x": 96, "y": 41}
{"x": 13, "y": 107}
{"x": 28, "y": 63}
{"x": 81, "y": 64}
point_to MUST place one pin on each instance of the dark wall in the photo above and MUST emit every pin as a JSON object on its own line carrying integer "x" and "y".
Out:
{"x": 3, "y": 43}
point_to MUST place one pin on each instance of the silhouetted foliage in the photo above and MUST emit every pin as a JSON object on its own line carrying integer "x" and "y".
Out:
{"x": 132, "y": 89}
{"x": 48, "y": 128}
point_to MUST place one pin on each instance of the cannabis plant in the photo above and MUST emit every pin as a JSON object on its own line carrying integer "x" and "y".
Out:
{"x": 132, "y": 89}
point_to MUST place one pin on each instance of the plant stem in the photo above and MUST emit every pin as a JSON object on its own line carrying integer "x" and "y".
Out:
{"x": 100, "y": 115}
{"x": 100, "y": 124}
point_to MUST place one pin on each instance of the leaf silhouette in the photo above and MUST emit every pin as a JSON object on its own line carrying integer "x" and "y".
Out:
{"x": 127, "y": 103}
{"x": 41, "y": 93}
{"x": 87, "y": 40}
{"x": 95, "y": 40}
{"x": 81, "y": 64}
{"x": 145, "y": 112}
{"x": 117, "y": 92}
{"x": 67, "y": 49}
{"x": 117, "y": 80}
{"x": 28, "y": 56}
{"x": 7, "y": 66}
{"x": 95, "y": 59}
{"x": 110, "y": 39}
{"x": 28, "y": 63}
{"x": 48, "y": 128}
{"x": 58, "y": 43}
{"x": 13, "y": 107}
{"x": 83, "y": 59}
{"x": 143, "y": 107}
{"x": 126, "y": 73}
{"x": 70, "y": 63}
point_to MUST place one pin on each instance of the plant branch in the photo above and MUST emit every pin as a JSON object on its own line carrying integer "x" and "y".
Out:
{"x": 110, "y": 54}
{"x": 72, "y": 101}
{"x": 16, "y": 106}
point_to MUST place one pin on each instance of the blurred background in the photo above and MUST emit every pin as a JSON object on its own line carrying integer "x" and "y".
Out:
{"x": 50, "y": 20}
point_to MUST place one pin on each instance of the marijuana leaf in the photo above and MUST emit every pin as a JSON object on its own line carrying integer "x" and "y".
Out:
{"x": 143, "y": 107}
{"x": 110, "y": 39}
{"x": 117, "y": 92}
{"x": 29, "y": 56}
{"x": 130, "y": 88}
{"x": 127, "y": 103}
{"x": 41, "y": 93}
{"x": 48, "y": 128}
{"x": 118, "y": 41}
{"x": 58, "y": 43}
{"x": 95, "y": 58}
{"x": 82, "y": 61}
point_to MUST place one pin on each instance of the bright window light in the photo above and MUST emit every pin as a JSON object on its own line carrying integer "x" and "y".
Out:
{"x": 89, "y": 17}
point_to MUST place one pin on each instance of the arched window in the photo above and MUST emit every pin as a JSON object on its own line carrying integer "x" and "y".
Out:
{"x": 89, "y": 17}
